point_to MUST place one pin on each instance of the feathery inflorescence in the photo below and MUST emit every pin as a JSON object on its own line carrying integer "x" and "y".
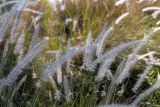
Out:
{"x": 103, "y": 41}
{"x": 75, "y": 23}
{"x": 120, "y": 2}
{"x": 151, "y": 9}
{"x": 119, "y": 19}
{"x": 89, "y": 51}
{"x": 148, "y": 1}
{"x": 5, "y": 50}
{"x": 141, "y": 78}
{"x": 59, "y": 69}
{"x": 112, "y": 86}
{"x": 92, "y": 49}
{"x": 132, "y": 59}
{"x": 69, "y": 60}
{"x": 111, "y": 55}
{"x": 19, "y": 44}
{"x": 21, "y": 65}
{"x": 101, "y": 34}
{"x": 116, "y": 105}
{"x": 156, "y": 14}
{"x": 51, "y": 68}
{"x": 17, "y": 28}
{"x": 8, "y": 3}
{"x": 15, "y": 11}
{"x": 146, "y": 93}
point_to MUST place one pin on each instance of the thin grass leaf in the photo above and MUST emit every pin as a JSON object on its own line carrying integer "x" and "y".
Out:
{"x": 18, "y": 87}
{"x": 35, "y": 36}
{"x": 67, "y": 89}
{"x": 112, "y": 86}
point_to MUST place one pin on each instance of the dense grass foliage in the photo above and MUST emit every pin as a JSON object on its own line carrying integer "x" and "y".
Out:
{"x": 79, "y": 53}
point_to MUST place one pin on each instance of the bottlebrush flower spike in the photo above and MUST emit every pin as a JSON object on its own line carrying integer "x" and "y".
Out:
{"x": 100, "y": 36}
{"x": 19, "y": 68}
{"x": 116, "y": 105}
{"x": 151, "y": 9}
{"x": 75, "y": 23}
{"x": 59, "y": 68}
{"x": 110, "y": 55}
{"x": 120, "y": 2}
{"x": 19, "y": 44}
{"x": 69, "y": 60}
{"x": 5, "y": 51}
{"x": 112, "y": 86}
{"x": 104, "y": 69}
{"x": 17, "y": 28}
{"x": 103, "y": 41}
{"x": 89, "y": 51}
{"x": 141, "y": 78}
{"x": 15, "y": 11}
{"x": 119, "y": 19}
{"x": 148, "y": 1}
{"x": 7, "y": 3}
{"x": 133, "y": 57}
{"x": 156, "y": 14}
{"x": 51, "y": 68}
{"x": 146, "y": 93}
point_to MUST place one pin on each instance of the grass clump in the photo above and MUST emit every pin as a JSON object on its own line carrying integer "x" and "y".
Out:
{"x": 79, "y": 55}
